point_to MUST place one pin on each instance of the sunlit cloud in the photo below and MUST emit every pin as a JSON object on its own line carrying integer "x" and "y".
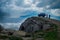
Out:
{"x": 28, "y": 2}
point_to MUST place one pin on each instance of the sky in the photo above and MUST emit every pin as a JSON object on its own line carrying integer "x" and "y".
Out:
{"x": 14, "y": 12}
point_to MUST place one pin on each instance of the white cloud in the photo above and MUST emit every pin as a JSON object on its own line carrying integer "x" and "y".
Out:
{"x": 14, "y": 26}
{"x": 47, "y": 7}
{"x": 28, "y": 2}
{"x": 17, "y": 11}
{"x": 13, "y": 5}
{"x": 55, "y": 12}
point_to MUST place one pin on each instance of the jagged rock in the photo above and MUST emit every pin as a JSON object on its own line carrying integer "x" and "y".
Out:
{"x": 34, "y": 24}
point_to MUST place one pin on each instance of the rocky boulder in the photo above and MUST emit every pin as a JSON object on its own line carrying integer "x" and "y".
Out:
{"x": 34, "y": 24}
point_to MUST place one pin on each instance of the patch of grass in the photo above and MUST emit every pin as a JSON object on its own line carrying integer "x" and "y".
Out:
{"x": 38, "y": 31}
{"x": 54, "y": 25}
{"x": 37, "y": 34}
{"x": 15, "y": 38}
{"x": 3, "y": 36}
{"x": 10, "y": 37}
{"x": 51, "y": 36}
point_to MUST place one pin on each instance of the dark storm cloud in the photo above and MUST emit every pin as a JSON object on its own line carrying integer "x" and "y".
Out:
{"x": 19, "y": 3}
{"x": 4, "y": 2}
{"x": 45, "y": 2}
{"x": 3, "y": 15}
{"x": 55, "y": 5}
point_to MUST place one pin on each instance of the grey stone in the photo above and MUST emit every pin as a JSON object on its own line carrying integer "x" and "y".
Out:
{"x": 34, "y": 24}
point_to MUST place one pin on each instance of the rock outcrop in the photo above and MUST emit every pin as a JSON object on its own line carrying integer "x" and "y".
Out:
{"x": 34, "y": 24}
